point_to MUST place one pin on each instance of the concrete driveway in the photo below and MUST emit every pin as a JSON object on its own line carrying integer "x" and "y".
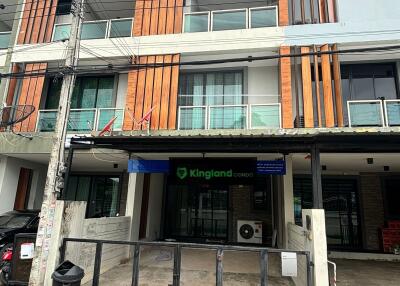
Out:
{"x": 367, "y": 273}
{"x": 197, "y": 268}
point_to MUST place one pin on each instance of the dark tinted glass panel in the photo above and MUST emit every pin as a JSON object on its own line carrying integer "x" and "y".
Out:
{"x": 392, "y": 199}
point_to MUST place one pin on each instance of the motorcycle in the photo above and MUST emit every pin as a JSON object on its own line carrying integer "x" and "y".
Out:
{"x": 5, "y": 266}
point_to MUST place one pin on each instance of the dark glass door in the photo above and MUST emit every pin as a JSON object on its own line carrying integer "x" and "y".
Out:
{"x": 341, "y": 209}
{"x": 198, "y": 212}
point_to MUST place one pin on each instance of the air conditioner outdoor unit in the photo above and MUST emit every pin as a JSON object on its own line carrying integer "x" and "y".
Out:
{"x": 249, "y": 231}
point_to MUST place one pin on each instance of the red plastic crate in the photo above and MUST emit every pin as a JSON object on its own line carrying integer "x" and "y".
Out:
{"x": 394, "y": 224}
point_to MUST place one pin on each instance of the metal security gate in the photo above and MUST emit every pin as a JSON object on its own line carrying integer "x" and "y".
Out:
{"x": 264, "y": 252}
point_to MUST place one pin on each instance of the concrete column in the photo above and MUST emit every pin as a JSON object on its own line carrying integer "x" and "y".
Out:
{"x": 316, "y": 243}
{"x": 9, "y": 175}
{"x": 287, "y": 200}
{"x": 68, "y": 222}
{"x": 134, "y": 203}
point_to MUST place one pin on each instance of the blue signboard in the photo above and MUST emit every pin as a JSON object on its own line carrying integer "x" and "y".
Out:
{"x": 148, "y": 166}
{"x": 277, "y": 167}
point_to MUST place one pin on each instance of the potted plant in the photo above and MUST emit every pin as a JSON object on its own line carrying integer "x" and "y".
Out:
{"x": 396, "y": 249}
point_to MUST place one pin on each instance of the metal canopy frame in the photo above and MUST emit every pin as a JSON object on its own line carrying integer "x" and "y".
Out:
{"x": 325, "y": 143}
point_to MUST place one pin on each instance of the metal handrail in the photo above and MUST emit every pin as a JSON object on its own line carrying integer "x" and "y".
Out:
{"x": 248, "y": 16}
{"x": 264, "y": 251}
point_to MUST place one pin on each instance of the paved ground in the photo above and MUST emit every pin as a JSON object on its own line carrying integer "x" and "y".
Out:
{"x": 198, "y": 268}
{"x": 367, "y": 273}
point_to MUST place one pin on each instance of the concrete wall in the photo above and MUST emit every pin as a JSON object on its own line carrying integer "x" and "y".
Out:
{"x": 297, "y": 241}
{"x": 9, "y": 175}
{"x": 263, "y": 81}
{"x": 314, "y": 241}
{"x": 372, "y": 210}
{"x": 121, "y": 90}
{"x": 115, "y": 228}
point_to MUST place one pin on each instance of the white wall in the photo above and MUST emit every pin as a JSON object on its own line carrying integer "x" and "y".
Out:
{"x": 314, "y": 241}
{"x": 9, "y": 175}
{"x": 368, "y": 10}
{"x": 121, "y": 90}
{"x": 155, "y": 206}
{"x": 263, "y": 81}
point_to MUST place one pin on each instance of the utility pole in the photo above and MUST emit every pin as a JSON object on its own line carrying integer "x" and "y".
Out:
{"x": 56, "y": 164}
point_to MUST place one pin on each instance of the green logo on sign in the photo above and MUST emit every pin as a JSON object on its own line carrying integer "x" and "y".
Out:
{"x": 181, "y": 173}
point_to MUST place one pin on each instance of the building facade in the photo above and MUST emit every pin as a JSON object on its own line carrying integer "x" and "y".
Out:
{"x": 216, "y": 89}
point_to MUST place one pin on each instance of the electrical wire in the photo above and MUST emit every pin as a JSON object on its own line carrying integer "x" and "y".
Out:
{"x": 120, "y": 68}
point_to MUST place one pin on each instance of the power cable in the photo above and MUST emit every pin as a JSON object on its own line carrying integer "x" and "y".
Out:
{"x": 108, "y": 68}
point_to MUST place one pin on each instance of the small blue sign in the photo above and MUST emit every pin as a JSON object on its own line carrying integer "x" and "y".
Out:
{"x": 148, "y": 166}
{"x": 277, "y": 167}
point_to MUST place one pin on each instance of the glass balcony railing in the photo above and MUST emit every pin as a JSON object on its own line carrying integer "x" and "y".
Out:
{"x": 96, "y": 29}
{"x": 241, "y": 116}
{"x": 4, "y": 39}
{"x": 220, "y": 20}
{"x": 365, "y": 113}
{"x": 82, "y": 120}
{"x": 392, "y": 112}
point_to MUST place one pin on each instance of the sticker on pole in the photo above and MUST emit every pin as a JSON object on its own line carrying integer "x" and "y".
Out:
{"x": 27, "y": 251}
{"x": 289, "y": 264}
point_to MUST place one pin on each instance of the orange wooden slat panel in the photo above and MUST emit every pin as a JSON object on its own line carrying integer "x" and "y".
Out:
{"x": 173, "y": 96}
{"x": 286, "y": 88}
{"x": 327, "y": 88}
{"x": 307, "y": 88}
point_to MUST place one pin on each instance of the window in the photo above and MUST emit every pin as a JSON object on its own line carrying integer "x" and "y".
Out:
{"x": 340, "y": 199}
{"x": 102, "y": 194}
{"x": 89, "y": 92}
{"x": 219, "y": 92}
{"x": 369, "y": 81}
{"x": 392, "y": 198}
{"x": 63, "y": 7}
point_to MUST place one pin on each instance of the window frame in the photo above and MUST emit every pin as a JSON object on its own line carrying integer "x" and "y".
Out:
{"x": 91, "y": 190}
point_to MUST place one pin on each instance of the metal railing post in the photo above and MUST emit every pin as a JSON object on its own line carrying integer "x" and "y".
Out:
{"x": 97, "y": 264}
{"x": 309, "y": 271}
{"x": 135, "y": 274}
{"x": 220, "y": 268}
{"x": 177, "y": 266}
{"x": 63, "y": 249}
{"x": 264, "y": 267}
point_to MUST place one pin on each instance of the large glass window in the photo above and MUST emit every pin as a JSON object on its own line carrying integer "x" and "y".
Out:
{"x": 340, "y": 200}
{"x": 89, "y": 92}
{"x": 221, "y": 93}
{"x": 367, "y": 82}
{"x": 102, "y": 194}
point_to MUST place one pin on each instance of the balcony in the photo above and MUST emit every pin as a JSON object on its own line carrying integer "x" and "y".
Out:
{"x": 82, "y": 120}
{"x": 4, "y": 39}
{"x": 101, "y": 29}
{"x": 373, "y": 113}
{"x": 240, "y": 116}
{"x": 233, "y": 19}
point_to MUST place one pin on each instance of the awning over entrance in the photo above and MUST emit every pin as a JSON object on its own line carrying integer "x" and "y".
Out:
{"x": 332, "y": 142}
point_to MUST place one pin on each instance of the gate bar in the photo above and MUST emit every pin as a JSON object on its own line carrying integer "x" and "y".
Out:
{"x": 220, "y": 266}
{"x": 136, "y": 257}
{"x": 97, "y": 264}
{"x": 177, "y": 266}
{"x": 264, "y": 267}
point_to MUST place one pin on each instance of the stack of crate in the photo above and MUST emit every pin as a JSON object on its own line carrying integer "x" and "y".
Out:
{"x": 391, "y": 235}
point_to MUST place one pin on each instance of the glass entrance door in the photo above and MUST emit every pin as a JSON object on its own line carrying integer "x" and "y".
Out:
{"x": 197, "y": 212}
